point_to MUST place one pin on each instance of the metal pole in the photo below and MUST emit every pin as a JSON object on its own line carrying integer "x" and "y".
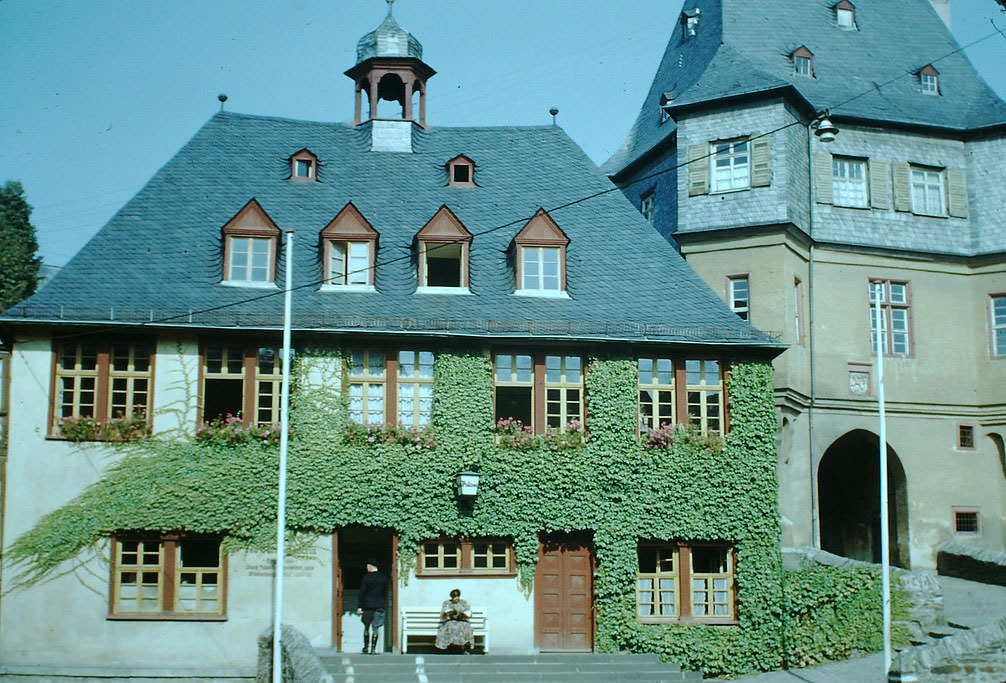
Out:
{"x": 284, "y": 444}
{"x": 885, "y": 550}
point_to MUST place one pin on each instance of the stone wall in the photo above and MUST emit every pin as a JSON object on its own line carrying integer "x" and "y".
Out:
{"x": 976, "y": 656}
{"x": 971, "y": 563}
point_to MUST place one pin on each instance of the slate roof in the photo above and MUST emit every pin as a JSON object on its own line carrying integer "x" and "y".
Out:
{"x": 743, "y": 48}
{"x": 388, "y": 40}
{"x": 161, "y": 254}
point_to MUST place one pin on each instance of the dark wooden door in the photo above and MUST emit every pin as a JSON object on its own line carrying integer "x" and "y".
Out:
{"x": 564, "y": 594}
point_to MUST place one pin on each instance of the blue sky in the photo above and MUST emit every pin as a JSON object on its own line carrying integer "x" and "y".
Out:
{"x": 95, "y": 96}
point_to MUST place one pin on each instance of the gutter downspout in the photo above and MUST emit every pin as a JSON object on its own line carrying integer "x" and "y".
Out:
{"x": 815, "y": 529}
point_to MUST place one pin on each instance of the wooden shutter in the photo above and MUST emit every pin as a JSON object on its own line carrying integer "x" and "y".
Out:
{"x": 822, "y": 179}
{"x": 957, "y": 193}
{"x": 902, "y": 187}
{"x": 880, "y": 184}
{"x": 761, "y": 162}
{"x": 698, "y": 170}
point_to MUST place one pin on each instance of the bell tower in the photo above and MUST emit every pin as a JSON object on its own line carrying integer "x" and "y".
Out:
{"x": 390, "y": 68}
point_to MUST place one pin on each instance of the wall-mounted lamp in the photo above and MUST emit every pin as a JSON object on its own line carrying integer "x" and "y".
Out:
{"x": 467, "y": 485}
{"x": 825, "y": 130}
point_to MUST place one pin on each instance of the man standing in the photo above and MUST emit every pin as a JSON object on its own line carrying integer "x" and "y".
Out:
{"x": 372, "y": 597}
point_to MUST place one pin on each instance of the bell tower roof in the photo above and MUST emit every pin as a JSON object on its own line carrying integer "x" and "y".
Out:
{"x": 388, "y": 40}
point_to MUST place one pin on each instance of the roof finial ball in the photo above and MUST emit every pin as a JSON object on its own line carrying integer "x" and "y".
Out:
{"x": 223, "y": 98}
{"x": 390, "y": 4}
{"x": 554, "y": 111}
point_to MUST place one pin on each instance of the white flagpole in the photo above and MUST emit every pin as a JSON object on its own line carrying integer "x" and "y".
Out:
{"x": 885, "y": 549}
{"x": 284, "y": 444}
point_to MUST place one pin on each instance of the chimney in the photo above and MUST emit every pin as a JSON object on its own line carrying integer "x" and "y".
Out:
{"x": 942, "y": 8}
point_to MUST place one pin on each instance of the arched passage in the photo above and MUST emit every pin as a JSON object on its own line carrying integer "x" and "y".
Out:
{"x": 848, "y": 481}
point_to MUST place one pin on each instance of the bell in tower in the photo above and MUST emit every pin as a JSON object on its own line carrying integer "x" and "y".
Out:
{"x": 390, "y": 68}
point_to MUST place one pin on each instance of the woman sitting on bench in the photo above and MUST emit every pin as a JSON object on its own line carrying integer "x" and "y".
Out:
{"x": 455, "y": 629}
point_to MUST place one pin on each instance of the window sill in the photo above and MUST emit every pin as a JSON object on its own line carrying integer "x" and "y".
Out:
{"x": 852, "y": 206}
{"x": 249, "y": 284}
{"x": 929, "y": 215}
{"x": 165, "y": 617}
{"x": 542, "y": 293}
{"x": 443, "y": 290}
{"x": 729, "y": 191}
{"x": 347, "y": 288}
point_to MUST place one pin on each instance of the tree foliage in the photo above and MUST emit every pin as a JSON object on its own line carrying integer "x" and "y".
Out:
{"x": 18, "y": 263}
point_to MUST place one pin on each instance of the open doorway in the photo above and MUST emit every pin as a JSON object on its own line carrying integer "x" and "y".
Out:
{"x": 351, "y": 548}
{"x": 848, "y": 480}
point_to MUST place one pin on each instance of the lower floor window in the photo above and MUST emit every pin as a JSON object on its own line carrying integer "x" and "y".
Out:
{"x": 465, "y": 556}
{"x": 167, "y": 576}
{"x": 685, "y": 582}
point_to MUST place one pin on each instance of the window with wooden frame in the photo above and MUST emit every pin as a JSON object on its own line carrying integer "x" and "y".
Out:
{"x": 803, "y": 62}
{"x": 444, "y": 246}
{"x": 849, "y": 182}
{"x": 168, "y": 577}
{"x": 541, "y": 257}
{"x": 304, "y": 166}
{"x": 928, "y": 191}
{"x": 647, "y": 207}
{"x": 656, "y": 393}
{"x": 466, "y": 557}
{"x": 730, "y": 165}
{"x": 965, "y": 437}
{"x": 241, "y": 382}
{"x": 894, "y": 321}
{"x": 461, "y": 171}
{"x": 967, "y": 521}
{"x": 251, "y": 239}
{"x": 386, "y": 386}
{"x": 539, "y": 390}
{"x": 687, "y": 582}
{"x": 704, "y": 395}
{"x": 348, "y": 247}
{"x": 739, "y": 295}
{"x": 929, "y": 80}
{"x": 997, "y": 324}
{"x": 845, "y": 15}
{"x": 101, "y": 380}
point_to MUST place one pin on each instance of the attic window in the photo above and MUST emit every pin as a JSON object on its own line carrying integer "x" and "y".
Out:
{"x": 444, "y": 247}
{"x": 461, "y": 171}
{"x": 349, "y": 245}
{"x": 690, "y": 22}
{"x": 803, "y": 61}
{"x": 541, "y": 257}
{"x": 845, "y": 15}
{"x": 304, "y": 166}
{"x": 251, "y": 241}
{"x": 929, "y": 80}
{"x": 665, "y": 102}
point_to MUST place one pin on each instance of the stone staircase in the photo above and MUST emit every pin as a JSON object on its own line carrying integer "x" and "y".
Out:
{"x": 439, "y": 668}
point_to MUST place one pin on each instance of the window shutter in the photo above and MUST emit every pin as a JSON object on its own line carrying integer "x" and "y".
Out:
{"x": 902, "y": 188}
{"x": 880, "y": 184}
{"x": 957, "y": 193}
{"x": 761, "y": 162}
{"x": 822, "y": 179}
{"x": 698, "y": 170}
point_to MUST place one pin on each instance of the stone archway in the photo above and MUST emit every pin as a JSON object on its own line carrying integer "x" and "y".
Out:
{"x": 849, "y": 499}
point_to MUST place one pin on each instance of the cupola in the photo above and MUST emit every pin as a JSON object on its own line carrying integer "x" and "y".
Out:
{"x": 390, "y": 68}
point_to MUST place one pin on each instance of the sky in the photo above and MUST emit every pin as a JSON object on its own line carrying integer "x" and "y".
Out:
{"x": 95, "y": 96}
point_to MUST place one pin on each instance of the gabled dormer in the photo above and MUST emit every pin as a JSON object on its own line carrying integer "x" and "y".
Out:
{"x": 803, "y": 61}
{"x": 251, "y": 241}
{"x": 444, "y": 251}
{"x": 929, "y": 79}
{"x": 461, "y": 171}
{"x": 541, "y": 257}
{"x": 304, "y": 166}
{"x": 845, "y": 15}
{"x": 349, "y": 249}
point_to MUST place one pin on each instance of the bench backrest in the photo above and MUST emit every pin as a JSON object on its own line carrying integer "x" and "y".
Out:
{"x": 428, "y": 618}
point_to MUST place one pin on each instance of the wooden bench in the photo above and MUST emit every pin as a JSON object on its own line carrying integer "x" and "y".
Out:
{"x": 424, "y": 621}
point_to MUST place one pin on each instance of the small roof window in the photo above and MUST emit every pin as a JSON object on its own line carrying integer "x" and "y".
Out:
{"x": 461, "y": 171}
{"x": 803, "y": 61}
{"x": 690, "y": 22}
{"x": 929, "y": 80}
{"x": 304, "y": 166}
{"x": 845, "y": 15}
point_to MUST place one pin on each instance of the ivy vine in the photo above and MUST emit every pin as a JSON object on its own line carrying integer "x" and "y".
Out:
{"x": 611, "y": 484}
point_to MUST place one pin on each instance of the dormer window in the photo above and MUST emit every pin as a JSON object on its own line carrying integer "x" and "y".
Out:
{"x": 541, "y": 257}
{"x": 690, "y": 22}
{"x": 444, "y": 246}
{"x": 304, "y": 166}
{"x": 845, "y": 15}
{"x": 250, "y": 244}
{"x": 929, "y": 80}
{"x": 349, "y": 244}
{"x": 665, "y": 102}
{"x": 461, "y": 171}
{"x": 803, "y": 61}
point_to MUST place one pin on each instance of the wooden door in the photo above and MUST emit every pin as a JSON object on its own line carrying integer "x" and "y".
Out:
{"x": 564, "y": 594}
